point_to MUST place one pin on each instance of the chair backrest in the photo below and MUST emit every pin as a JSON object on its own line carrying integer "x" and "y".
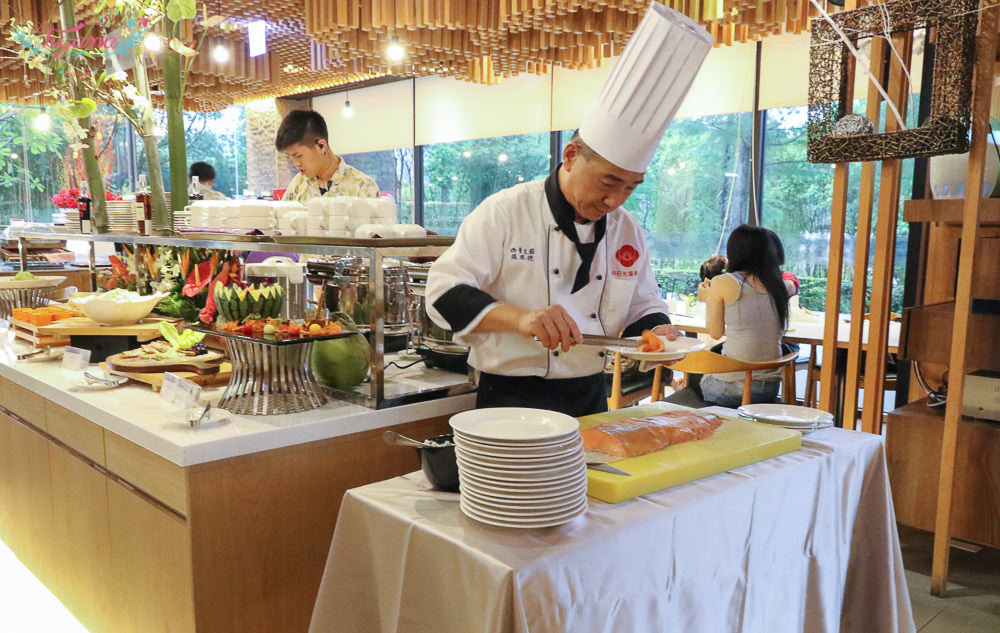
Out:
{"x": 706, "y": 362}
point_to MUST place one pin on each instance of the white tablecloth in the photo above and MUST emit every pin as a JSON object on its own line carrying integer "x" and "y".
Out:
{"x": 802, "y": 542}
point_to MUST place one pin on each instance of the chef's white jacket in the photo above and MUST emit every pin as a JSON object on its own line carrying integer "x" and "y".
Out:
{"x": 511, "y": 248}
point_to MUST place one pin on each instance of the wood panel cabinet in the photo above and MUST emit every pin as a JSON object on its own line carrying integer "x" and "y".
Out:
{"x": 131, "y": 542}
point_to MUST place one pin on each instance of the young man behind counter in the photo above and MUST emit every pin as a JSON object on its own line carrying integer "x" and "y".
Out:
{"x": 303, "y": 137}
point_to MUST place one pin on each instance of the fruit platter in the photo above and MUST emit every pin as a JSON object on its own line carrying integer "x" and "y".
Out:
{"x": 271, "y": 360}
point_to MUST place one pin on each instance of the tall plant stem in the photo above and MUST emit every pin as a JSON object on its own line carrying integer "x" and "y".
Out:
{"x": 173, "y": 99}
{"x": 98, "y": 207}
{"x": 162, "y": 216}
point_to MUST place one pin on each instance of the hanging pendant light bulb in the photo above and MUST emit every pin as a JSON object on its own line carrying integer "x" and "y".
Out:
{"x": 348, "y": 111}
{"x": 42, "y": 122}
{"x": 152, "y": 43}
{"x": 220, "y": 53}
{"x": 395, "y": 51}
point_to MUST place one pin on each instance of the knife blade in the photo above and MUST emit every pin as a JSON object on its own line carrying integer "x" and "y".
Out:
{"x": 594, "y": 339}
{"x": 608, "y": 469}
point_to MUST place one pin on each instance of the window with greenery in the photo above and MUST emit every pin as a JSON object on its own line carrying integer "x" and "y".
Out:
{"x": 458, "y": 176}
{"x": 32, "y": 168}
{"x": 217, "y": 138}
{"x": 392, "y": 170}
{"x": 797, "y": 204}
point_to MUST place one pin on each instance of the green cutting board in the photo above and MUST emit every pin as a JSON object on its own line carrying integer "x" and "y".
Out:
{"x": 734, "y": 444}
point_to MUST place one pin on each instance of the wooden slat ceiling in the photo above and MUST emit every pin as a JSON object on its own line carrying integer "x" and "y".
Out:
{"x": 317, "y": 44}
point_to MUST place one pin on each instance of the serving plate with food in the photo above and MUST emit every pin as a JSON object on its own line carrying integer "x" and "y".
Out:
{"x": 655, "y": 347}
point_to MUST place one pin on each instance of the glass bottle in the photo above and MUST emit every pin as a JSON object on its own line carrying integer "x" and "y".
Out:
{"x": 194, "y": 190}
{"x": 83, "y": 206}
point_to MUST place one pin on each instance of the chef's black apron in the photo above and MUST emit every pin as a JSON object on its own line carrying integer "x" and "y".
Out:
{"x": 573, "y": 396}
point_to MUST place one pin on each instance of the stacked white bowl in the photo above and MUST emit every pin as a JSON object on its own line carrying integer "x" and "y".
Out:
{"x": 521, "y": 468}
{"x": 240, "y": 215}
{"x": 337, "y": 216}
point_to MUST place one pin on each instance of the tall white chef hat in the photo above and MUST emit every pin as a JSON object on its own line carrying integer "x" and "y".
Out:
{"x": 645, "y": 88}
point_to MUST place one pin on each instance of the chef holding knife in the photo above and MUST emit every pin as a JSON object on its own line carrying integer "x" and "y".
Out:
{"x": 557, "y": 258}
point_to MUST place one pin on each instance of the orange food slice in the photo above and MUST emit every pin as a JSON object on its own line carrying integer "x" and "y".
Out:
{"x": 651, "y": 343}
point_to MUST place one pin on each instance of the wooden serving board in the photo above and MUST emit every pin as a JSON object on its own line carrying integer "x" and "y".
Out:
{"x": 30, "y": 332}
{"x": 146, "y": 330}
{"x": 155, "y": 379}
{"x": 735, "y": 444}
{"x": 208, "y": 365}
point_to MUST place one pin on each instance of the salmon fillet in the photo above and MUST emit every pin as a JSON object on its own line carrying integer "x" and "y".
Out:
{"x": 632, "y": 437}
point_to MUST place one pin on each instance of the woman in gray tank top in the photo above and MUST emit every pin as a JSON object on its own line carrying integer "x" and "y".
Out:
{"x": 749, "y": 306}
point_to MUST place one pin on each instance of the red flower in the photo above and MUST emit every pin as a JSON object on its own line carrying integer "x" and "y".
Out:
{"x": 72, "y": 191}
{"x": 627, "y": 255}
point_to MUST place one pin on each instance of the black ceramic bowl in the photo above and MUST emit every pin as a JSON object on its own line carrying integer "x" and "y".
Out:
{"x": 438, "y": 463}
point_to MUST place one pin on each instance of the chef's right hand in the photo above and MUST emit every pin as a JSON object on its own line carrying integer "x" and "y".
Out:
{"x": 553, "y": 326}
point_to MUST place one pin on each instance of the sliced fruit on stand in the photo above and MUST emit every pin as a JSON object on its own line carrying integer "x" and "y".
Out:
{"x": 236, "y": 304}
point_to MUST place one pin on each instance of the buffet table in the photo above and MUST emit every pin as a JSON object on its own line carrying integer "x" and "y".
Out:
{"x": 138, "y": 522}
{"x": 802, "y": 542}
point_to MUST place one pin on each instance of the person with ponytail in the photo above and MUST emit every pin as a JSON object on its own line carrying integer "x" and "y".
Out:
{"x": 749, "y": 306}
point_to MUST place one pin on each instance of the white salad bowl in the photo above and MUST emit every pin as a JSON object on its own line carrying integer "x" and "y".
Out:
{"x": 117, "y": 308}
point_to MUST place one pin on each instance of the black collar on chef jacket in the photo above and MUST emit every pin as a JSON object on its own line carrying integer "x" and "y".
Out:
{"x": 565, "y": 216}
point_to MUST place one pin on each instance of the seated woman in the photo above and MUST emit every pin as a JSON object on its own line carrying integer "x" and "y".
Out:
{"x": 749, "y": 306}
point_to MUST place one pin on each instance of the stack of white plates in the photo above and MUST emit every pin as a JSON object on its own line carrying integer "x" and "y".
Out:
{"x": 520, "y": 468}
{"x": 788, "y": 416}
{"x": 121, "y": 216}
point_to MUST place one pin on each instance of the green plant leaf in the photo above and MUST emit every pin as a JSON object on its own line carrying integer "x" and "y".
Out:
{"x": 173, "y": 11}
{"x": 79, "y": 109}
{"x": 181, "y": 9}
{"x": 215, "y": 20}
{"x": 182, "y": 48}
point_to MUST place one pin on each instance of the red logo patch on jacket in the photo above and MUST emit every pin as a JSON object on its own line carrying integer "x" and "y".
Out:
{"x": 627, "y": 255}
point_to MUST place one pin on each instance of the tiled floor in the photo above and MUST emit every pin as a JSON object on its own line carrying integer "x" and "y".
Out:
{"x": 971, "y": 606}
{"x": 972, "y": 603}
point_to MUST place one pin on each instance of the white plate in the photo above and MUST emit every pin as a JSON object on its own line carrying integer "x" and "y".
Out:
{"x": 514, "y": 424}
{"x": 545, "y": 473}
{"x": 529, "y": 497}
{"x": 42, "y": 281}
{"x": 805, "y": 428}
{"x": 520, "y": 522}
{"x": 674, "y": 350}
{"x": 522, "y": 447}
{"x": 520, "y": 463}
{"x": 527, "y": 487}
{"x": 517, "y": 507}
{"x": 785, "y": 414}
{"x": 504, "y": 454}
{"x": 542, "y": 513}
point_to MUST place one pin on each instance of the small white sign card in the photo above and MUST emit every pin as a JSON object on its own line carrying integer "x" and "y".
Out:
{"x": 75, "y": 359}
{"x": 179, "y": 392}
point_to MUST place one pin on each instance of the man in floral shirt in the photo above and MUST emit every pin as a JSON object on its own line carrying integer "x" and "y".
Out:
{"x": 303, "y": 137}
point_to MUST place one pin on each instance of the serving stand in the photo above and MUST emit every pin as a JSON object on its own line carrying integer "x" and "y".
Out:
{"x": 11, "y": 298}
{"x": 271, "y": 376}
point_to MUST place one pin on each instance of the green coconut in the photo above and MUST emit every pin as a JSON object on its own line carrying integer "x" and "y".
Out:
{"x": 341, "y": 363}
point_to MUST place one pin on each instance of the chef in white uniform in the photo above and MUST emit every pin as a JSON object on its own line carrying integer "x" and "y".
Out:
{"x": 556, "y": 258}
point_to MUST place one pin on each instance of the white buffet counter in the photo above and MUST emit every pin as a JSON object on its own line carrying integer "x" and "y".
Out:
{"x": 137, "y": 414}
{"x": 137, "y": 522}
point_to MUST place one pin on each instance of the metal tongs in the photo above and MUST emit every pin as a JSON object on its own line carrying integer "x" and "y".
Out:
{"x": 195, "y": 422}
{"x": 111, "y": 380}
{"x": 32, "y": 353}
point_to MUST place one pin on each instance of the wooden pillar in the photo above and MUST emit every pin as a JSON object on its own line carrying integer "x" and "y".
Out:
{"x": 986, "y": 46}
{"x": 835, "y": 269}
{"x": 885, "y": 247}
{"x": 859, "y": 289}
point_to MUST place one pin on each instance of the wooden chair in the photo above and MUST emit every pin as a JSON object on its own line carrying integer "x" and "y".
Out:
{"x": 813, "y": 370}
{"x": 706, "y": 362}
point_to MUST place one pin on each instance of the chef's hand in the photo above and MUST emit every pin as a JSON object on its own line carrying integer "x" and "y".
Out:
{"x": 671, "y": 332}
{"x": 553, "y": 326}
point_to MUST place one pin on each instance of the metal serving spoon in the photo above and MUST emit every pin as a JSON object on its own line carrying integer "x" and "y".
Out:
{"x": 395, "y": 439}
